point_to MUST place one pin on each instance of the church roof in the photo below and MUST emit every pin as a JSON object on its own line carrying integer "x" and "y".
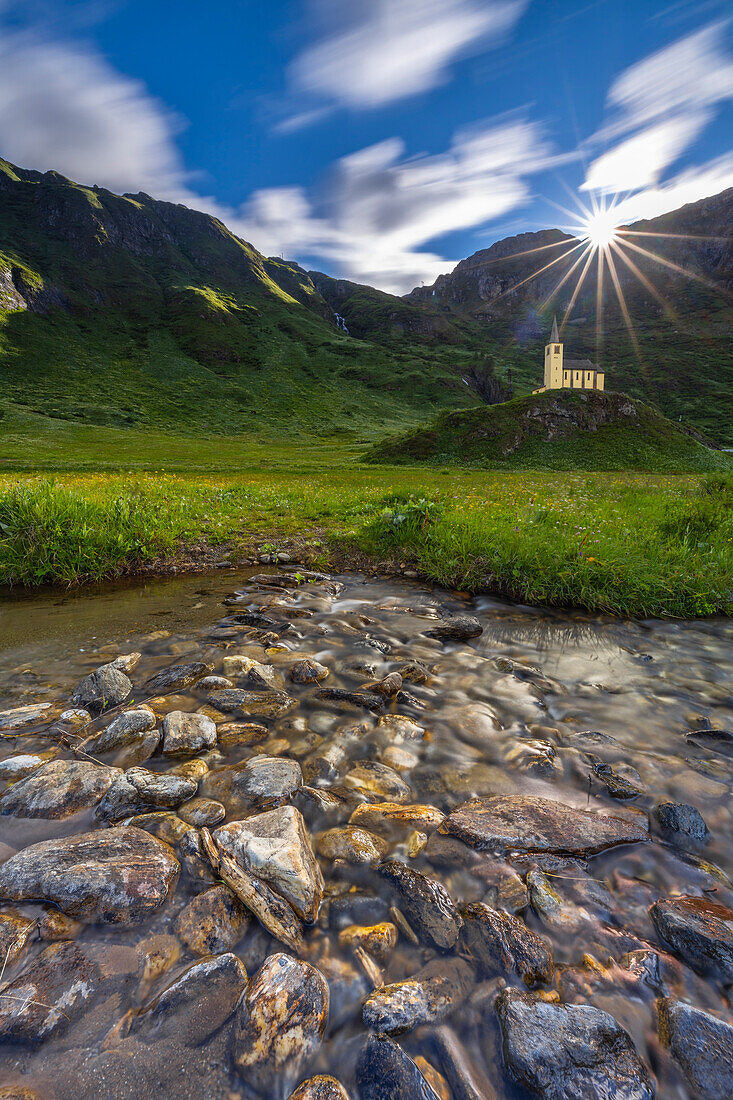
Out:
{"x": 554, "y": 337}
{"x": 580, "y": 364}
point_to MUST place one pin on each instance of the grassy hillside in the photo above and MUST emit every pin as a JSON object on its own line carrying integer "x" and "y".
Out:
{"x": 129, "y": 312}
{"x": 557, "y": 430}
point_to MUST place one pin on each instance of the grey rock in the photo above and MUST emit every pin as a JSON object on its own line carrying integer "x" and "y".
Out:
{"x": 702, "y": 1044}
{"x": 370, "y": 700}
{"x": 212, "y": 922}
{"x": 106, "y": 687}
{"x": 426, "y": 903}
{"x": 385, "y": 1072}
{"x": 501, "y": 943}
{"x": 275, "y": 846}
{"x": 308, "y": 671}
{"x": 52, "y": 991}
{"x": 457, "y": 628}
{"x": 138, "y": 791}
{"x": 260, "y": 782}
{"x": 196, "y": 1005}
{"x": 243, "y": 704}
{"x": 534, "y": 824}
{"x": 58, "y": 790}
{"x": 280, "y": 1024}
{"x": 30, "y": 715}
{"x": 186, "y": 734}
{"x": 352, "y": 843}
{"x": 125, "y": 729}
{"x": 682, "y": 824}
{"x": 176, "y": 678}
{"x": 202, "y": 811}
{"x": 569, "y": 1052}
{"x": 428, "y": 996}
{"x": 700, "y": 931}
{"x": 113, "y": 876}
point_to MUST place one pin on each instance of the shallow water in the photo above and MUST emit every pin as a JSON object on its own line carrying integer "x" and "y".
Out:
{"x": 527, "y": 708}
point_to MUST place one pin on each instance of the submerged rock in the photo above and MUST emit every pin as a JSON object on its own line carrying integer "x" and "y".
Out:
{"x": 125, "y": 729}
{"x": 457, "y": 628}
{"x": 432, "y": 994}
{"x": 58, "y": 789}
{"x": 176, "y": 678}
{"x": 138, "y": 790}
{"x": 379, "y": 940}
{"x": 15, "y": 931}
{"x": 275, "y": 846}
{"x": 243, "y": 704}
{"x": 700, "y": 931}
{"x": 202, "y": 811}
{"x": 258, "y": 783}
{"x": 385, "y": 1072}
{"x": 187, "y": 734}
{"x": 50, "y": 993}
{"x": 426, "y": 903}
{"x": 319, "y": 1088}
{"x": 353, "y": 844}
{"x": 682, "y": 824}
{"x": 378, "y": 779}
{"x": 29, "y": 715}
{"x": 539, "y": 824}
{"x": 308, "y": 671}
{"x": 392, "y": 819}
{"x": 569, "y": 1052}
{"x": 280, "y": 1024}
{"x": 196, "y": 1005}
{"x": 106, "y": 687}
{"x": 212, "y": 922}
{"x": 113, "y": 876}
{"x": 370, "y": 700}
{"x": 702, "y": 1044}
{"x": 501, "y": 943}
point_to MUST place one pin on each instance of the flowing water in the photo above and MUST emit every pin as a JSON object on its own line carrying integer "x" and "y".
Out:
{"x": 541, "y": 704}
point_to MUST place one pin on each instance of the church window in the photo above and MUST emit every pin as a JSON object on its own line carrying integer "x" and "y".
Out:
{"x": 557, "y": 349}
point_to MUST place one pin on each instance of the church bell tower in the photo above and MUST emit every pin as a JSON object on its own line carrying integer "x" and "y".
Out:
{"x": 553, "y": 360}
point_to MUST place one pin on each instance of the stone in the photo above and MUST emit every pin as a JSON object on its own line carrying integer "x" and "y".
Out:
{"x": 379, "y": 940}
{"x": 426, "y": 904}
{"x": 48, "y": 995}
{"x": 318, "y": 1088}
{"x": 399, "y": 728}
{"x": 702, "y": 1044}
{"x": 388, "y": 686}
{"x": 31, "y": 715}
{"x": 308, "y": 671}
{"x": 53, "y": 925}
{"x": 369, "y": 700}
{"x": 58, "y": 790}
{"x": 378, "y": 779}
{"x": 176, "y": 678}
{"x": 457, "y": 628}
{"x": 187, "y": 734}
{"x": 432, "y": 994}
{"x": 243, "y": 704}
{"x": 353, "y": 844}
{"x": 213, "y": 922}
{"x": 213, "y": 683}
{"x": 385, "y": 1072}
{"x": 275, "y": 846}
{"x": 356, "y": 907}
{"x": 681, "y": 824}
{"x": 15, "y": 931}
{"x": 112, "y": 876}
{"x": 233, "y": 734}
{"x": 436, "y": 1080}
{"x": 106, "y": 687}
{"x": 138, "y": 791}
{"x": 258, "y": 783}
{"x": 202, "y": 811}
{"x": 502, "y": 944}
{"x": 621, "y": 782}
{"x": 157, "y": 954}
{"x": 125, "y": 729}
{"x": 127, "y": 662}
{"x": 700, "y": 931}
{"x": 280, "y": 1024}
{"x": 569, "y": 1052}
{"x": 13, "y": 768}
{"x": 531, "y": 824}
{"x": 392, "y": 819}
{"x": 196, "y": 1005}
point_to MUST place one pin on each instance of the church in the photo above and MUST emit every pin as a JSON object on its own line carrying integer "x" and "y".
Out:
{"x": 560, "y": 373}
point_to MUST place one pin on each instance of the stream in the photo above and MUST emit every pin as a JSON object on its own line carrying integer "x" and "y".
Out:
{"x": 331, "y": 837}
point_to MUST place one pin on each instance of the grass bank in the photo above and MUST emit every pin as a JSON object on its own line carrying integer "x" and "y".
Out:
{"x": 629, "y": 544}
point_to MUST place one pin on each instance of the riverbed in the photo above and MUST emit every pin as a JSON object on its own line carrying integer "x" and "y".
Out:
{"x": 310, "y": 894}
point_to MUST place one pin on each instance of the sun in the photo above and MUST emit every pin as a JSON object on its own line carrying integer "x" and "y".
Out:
{"x": 600, "y": 229}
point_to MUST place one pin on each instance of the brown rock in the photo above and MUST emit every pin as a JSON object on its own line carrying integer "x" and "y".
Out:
{"x": 213, "y": 922}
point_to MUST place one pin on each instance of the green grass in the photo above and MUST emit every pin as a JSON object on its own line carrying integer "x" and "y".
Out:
{"x": 628, "y": 544}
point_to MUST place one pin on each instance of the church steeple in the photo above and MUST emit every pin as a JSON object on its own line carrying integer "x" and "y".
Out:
{"x": 554, "y": 335}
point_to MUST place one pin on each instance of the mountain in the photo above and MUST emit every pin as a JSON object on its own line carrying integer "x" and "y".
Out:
{"x": 555, "y": 430}
{"x": 679, "y": 306}
{"x": 127, "y": 311}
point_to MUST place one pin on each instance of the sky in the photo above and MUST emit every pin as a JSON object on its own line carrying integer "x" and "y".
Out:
{"x": 376, "y": 140}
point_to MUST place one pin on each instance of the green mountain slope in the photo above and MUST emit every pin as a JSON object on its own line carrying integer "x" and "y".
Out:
{"x": 127, "y": 311}
{"x": 555, "y": 430}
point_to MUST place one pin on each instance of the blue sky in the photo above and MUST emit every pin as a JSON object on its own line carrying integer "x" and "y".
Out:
{"x": 381, "y": 140}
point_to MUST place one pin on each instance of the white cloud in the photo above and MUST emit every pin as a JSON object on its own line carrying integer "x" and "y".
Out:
{"x": 688, "y": 186}
{"x": 380, "y": 208}
{"x": 658, "y": 108}
{"x": 389, "y": 49}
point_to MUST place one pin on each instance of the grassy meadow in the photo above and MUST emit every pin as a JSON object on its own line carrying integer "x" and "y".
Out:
{"x": 638, "y": 544}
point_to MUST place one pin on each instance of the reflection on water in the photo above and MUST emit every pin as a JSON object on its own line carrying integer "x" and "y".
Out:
{"x": 544, "y": 703}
